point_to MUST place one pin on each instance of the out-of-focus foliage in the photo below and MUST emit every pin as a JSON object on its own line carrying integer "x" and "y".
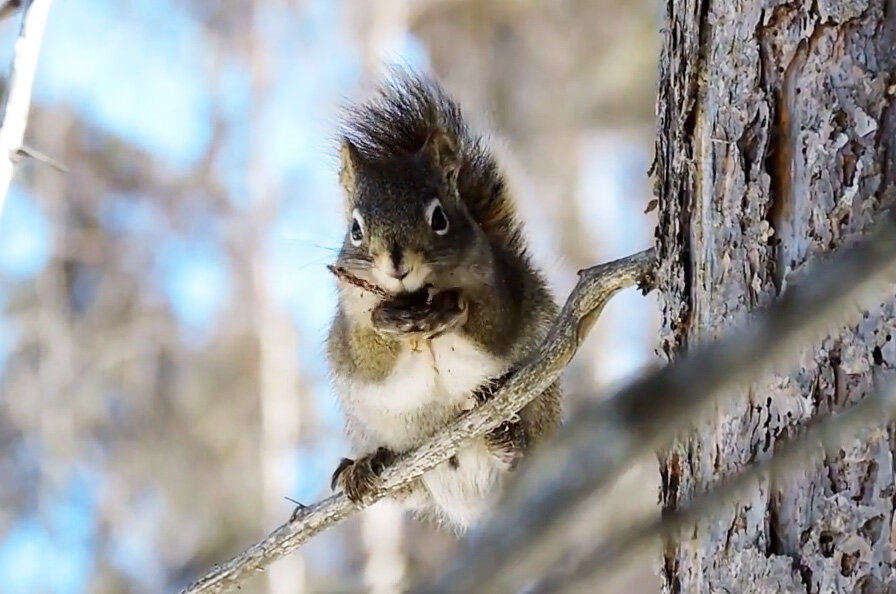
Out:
{"x": 162, "y": 382}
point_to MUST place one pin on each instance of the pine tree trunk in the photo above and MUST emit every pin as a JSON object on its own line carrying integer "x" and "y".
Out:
{"x": 777, "y": 141}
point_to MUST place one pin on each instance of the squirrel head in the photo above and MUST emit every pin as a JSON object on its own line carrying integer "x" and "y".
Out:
{"x": 406, "y": 225}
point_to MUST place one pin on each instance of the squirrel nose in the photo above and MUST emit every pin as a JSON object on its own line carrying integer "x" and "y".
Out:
{"x": 399, "y": 268}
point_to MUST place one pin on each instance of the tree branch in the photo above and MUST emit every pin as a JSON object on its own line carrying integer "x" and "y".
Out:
{"x": 595, "y": 288}
{"x": 18, "y": 92}
{"x": 547, "y": 498}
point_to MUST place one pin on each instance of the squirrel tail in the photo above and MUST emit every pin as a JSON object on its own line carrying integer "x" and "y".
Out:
{"x": 404, "y": 112}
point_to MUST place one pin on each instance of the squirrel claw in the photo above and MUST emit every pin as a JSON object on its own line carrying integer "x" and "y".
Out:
{"x": 343, "y": 464}
{"x": 358, "y": 478}
{"x": 486, "y": 391}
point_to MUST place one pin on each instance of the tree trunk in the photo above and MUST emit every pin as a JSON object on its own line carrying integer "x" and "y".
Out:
{"x": 776, "y": 144}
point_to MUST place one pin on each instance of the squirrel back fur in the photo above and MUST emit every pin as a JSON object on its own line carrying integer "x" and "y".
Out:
{"x": 403, "y": 114}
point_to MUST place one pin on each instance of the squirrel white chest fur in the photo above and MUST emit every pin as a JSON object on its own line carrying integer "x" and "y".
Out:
{"x": 425, "y": 391}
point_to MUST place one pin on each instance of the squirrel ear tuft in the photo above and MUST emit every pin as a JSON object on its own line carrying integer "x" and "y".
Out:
{"x": 441, "y": 150}
{"x": 351, "y": 162}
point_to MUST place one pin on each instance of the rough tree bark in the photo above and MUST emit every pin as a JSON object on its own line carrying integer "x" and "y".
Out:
{"x": 776, "y": 144}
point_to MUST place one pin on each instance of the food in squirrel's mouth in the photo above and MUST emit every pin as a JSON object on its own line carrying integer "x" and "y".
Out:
{"x": 346, "y": 276}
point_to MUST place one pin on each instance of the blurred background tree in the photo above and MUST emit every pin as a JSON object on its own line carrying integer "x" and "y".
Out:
{"x": 162, "y": 382}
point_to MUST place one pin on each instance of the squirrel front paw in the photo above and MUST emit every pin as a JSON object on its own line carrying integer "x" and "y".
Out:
{"x": 359, "y": 478}
{"x": 424, "y": 313}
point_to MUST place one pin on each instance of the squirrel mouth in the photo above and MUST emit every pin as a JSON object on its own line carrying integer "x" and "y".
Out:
{"x": 411, "y": 282}
{"x": 384, "y": 286}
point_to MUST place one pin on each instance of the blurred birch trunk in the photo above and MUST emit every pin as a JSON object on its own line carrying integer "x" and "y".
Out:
{"x": 278, "y": 340}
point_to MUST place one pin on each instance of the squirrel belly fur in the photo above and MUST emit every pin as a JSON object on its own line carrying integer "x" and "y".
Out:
{"x": 428, "y": 213}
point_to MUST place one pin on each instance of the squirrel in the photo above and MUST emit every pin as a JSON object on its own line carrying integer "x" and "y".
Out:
{"x": 458, "y": 304}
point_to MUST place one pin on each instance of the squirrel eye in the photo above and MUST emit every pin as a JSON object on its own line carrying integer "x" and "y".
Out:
{"x": 357, "y": 231}
{"x": 438, "y": 221}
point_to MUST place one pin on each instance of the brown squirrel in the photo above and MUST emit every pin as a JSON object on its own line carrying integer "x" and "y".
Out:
{"x": 431, "y": 225}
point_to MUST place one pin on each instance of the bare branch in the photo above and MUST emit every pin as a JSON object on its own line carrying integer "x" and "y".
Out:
{"x": 595, "y": 288}
{"x": 546, "y": 500}
{"x": 18, "y": 93}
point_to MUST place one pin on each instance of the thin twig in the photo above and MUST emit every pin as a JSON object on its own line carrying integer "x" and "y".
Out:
{"x": 344, "y": 275}
{"x": 18, "y": 93}
{"x": 595, "y": 288}
{"x": 32, "y": 153}
{"x": 546, "y": 500}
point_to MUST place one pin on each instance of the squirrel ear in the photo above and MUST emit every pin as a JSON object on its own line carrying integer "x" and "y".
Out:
{"x": 351, "y": 163}
{"x": 441, "y": 151}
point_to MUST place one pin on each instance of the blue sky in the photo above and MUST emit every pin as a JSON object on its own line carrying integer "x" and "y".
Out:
{"x": 24, "y": 236}
{"x": 64, "y": 533}
{"x": 132, "y": 68}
